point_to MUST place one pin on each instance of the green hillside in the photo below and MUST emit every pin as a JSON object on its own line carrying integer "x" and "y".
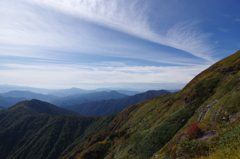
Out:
{"x": 200, "y": 121}
{"x": 162, "y": 127}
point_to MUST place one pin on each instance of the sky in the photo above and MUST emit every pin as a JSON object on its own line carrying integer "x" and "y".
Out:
{"x": 123, "y": 44}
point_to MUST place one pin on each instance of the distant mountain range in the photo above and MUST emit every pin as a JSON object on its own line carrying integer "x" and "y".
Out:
{"x": 61, "y": 92}
{"x": 73, "y": 91}
{"x": 10, "y": 101}
{"x": 91, "y": 104}
{"x": 6, "y": 88}
{"x": 82, "y": 98}
{"x": 12, "y": 97}
{"x": 106, "y": 107}
{"x": 28, "y": 95}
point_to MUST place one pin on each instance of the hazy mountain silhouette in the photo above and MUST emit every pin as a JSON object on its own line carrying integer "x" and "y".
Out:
{"x": 106, "y": 107}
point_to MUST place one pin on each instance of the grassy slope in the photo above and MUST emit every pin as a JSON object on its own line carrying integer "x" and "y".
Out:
{"x": 222, "y": 117}
{"x": 152, "y": 127}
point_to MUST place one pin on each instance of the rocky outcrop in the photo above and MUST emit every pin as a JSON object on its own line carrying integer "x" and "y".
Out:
{"x": 207, "y": 135}
{"x": 204, "y": 110}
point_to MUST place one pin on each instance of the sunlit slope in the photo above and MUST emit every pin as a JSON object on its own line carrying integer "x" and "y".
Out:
{"x": 217, "y": 117}
{"x": 156, "y": 127}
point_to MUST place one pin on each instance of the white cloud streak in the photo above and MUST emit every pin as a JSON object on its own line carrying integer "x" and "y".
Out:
{"x": 46, "y": 75}
{"x": 130, "y": 17}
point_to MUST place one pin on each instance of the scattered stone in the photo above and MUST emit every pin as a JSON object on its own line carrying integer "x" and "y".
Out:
{"x": 225, "y": 119}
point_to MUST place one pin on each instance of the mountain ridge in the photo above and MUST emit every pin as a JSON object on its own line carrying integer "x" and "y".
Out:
{"x": 107, "y": 107}
{"x": 89, "y": 97}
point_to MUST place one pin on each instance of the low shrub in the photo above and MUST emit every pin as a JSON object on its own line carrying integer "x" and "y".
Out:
{"x": 191, "y": 148}
{"x": 194, "y": 131}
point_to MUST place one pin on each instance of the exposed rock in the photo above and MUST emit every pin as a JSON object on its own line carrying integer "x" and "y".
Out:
{"x": 234, "y": 117}
{"x": 207, "y": 135}
{"x": 204, "y": 110}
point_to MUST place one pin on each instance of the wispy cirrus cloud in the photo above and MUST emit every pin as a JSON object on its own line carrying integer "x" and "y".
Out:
{"x": 237, "y": 19}
{"x": 132, "y": 18}
{"x": 37, "y": 28}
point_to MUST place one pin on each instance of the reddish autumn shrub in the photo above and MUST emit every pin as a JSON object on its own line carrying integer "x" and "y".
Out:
{"x": 194, "y": 131}
{"x": 169, "y": 103}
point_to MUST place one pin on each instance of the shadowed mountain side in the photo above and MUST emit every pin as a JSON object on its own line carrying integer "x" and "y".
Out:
{"x": 106, "y": 107}
{"x": 33, "y": 107}
{"x": 46, "y": 137}
{"x": 82, "y": 98}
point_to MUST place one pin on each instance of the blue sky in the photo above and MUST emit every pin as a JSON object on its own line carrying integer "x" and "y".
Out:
{"x": 135, "y": 44}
